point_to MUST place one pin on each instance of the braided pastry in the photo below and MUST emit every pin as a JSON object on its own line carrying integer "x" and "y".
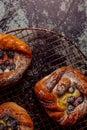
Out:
{"x": 63, "y": 94}
{"x": 15, "y": 57}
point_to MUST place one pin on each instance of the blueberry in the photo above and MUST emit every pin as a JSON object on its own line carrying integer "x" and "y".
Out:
{"x": 11, "y": 123}
{"x": 12, "y": 66}
{"x": 10, "y": 53}
{"x": 14, "y": 122}
{"x": 2, "y": 67}
{"x": 70, "y": 108}
{"x": 5, "y": 117}
{"x": 71, "y": 89}
{"x": 6, "y": 63}
{"x": 71, "y": 99}
{"x": 1, "y": 126}
{"x": 80, "y": 99}
{"x": 1, "y": 53}
{"x": 14, "y": 125}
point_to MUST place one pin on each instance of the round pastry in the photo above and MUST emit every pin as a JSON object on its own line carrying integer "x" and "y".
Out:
{"x": 15, "y": 57}
{"x": 14, "y": 117}
{"x": 63, "y": 94}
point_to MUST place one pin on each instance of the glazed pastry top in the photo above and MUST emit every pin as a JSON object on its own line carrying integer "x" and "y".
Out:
{"x": 63, "y": 94}
{"x": 15, "y": 58}
{"x": 67, "y": 88}
{"x": 13, "y": 117}
{"x": 9, "y": 42}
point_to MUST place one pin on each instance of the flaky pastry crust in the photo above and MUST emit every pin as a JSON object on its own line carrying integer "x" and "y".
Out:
{"x": 18, "y": 113}
{"x": 9, "y": 42}
{"x": 22, "y": 58}
{"x": 52, "y": 92}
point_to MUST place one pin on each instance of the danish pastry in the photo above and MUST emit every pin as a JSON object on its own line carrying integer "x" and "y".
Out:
{"x": 63, "y": 93}
{"x": 14, "y": 117}
{"x": 15, "y": 57}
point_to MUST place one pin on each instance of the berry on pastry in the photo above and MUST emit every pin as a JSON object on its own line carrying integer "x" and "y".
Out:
{"x": 15, "y": 57}
{"x": 14, "y": 117}
{"x": 63, "y": 93}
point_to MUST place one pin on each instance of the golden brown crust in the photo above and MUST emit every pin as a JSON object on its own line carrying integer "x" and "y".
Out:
{"x": 22, "y": 58}
{"x": 18, "y": 113}
{"x": 59, "y": 81}
{"x": 13, "y": 43}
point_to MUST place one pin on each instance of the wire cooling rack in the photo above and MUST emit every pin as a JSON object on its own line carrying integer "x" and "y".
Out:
{"x": 50, "y": 51}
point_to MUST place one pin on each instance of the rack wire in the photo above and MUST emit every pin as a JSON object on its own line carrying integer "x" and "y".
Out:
{"x": 50, "y": 51}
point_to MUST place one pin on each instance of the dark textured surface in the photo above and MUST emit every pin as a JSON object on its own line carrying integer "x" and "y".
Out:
{"x": 65, "y": 16}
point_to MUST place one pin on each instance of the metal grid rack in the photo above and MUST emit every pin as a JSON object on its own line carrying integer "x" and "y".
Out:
{"x": 50, "y": 51}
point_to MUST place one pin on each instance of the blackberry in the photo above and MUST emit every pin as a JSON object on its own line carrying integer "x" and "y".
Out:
{"x": 10, "y": 53}
{"x": 12, "y": 66}
{"x": 71, "y": 99}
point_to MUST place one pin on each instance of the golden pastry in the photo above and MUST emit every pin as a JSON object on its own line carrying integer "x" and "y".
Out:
{"x": 14, "y": 117}
{"x": 63, "y": 93}
{"x": 15, "y": 57}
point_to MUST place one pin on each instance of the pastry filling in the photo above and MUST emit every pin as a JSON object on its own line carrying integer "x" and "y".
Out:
{"x": 70, "y": 99}
{"x": 8, "y": 123}
{"x": 7, "y": 60}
